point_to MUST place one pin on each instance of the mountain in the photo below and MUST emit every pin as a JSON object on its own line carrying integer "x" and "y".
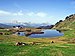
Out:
{"x": 14, "y": 24}
{"x": 35, "y": 25}
{"x": 31, "y": 25}
{"x": 4, "y": 25}
{"x": 68, "y": 23}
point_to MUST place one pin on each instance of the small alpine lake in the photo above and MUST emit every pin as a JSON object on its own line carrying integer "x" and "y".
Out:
{"x": 46, "y": 34}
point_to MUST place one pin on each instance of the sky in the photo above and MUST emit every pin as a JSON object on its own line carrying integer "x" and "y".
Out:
{"x": 35, "y": 11}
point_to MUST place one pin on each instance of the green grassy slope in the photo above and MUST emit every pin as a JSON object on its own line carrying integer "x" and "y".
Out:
{"x": 68, "y": 23}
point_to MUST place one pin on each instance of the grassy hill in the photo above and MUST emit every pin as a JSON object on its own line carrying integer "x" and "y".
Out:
{"x": 68, "y": 23}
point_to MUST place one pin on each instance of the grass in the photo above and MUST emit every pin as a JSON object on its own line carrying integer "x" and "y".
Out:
{"x": 38, "y": 50}
{"x": 69, "y": 34}
{"x": 45, "y": 48}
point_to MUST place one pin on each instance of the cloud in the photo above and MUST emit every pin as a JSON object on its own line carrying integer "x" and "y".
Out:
{"x": 4, "y": 13}
{"x": 21, "y": 13}
{"x": 31, "y": 14}
{"x": 41, "y": 14}
{"x": 38, "y": 14}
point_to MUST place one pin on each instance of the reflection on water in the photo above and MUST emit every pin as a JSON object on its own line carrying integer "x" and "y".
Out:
{"x": 47, "y": 33}
{"x": 20, "y": 33}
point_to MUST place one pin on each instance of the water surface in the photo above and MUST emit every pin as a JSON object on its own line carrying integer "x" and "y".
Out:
{"x": 47, "y": 34}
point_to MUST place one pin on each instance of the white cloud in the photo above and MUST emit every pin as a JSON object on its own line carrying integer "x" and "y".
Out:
{"x": 4, "y": 13}
{"x": 15, "y": 14}
{"x": 38, "y": 14}
{"x": 31, "y": 14}
{"x": 41, "y": 14}
{"x": 21, "y": 13}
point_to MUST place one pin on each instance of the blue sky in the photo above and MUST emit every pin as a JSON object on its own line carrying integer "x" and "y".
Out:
{"x": 36, "y": 11}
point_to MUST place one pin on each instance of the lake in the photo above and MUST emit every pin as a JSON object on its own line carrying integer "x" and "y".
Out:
{"x": 47, "y": 34}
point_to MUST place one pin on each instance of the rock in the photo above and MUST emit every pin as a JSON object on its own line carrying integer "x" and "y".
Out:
{"x": 20, "y": 44}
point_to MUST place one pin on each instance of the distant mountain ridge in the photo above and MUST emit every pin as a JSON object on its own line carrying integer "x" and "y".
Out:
{"x": 5, "y": 26}
{"x": 68, "y": 23}
{"x": 34, "y": 25}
